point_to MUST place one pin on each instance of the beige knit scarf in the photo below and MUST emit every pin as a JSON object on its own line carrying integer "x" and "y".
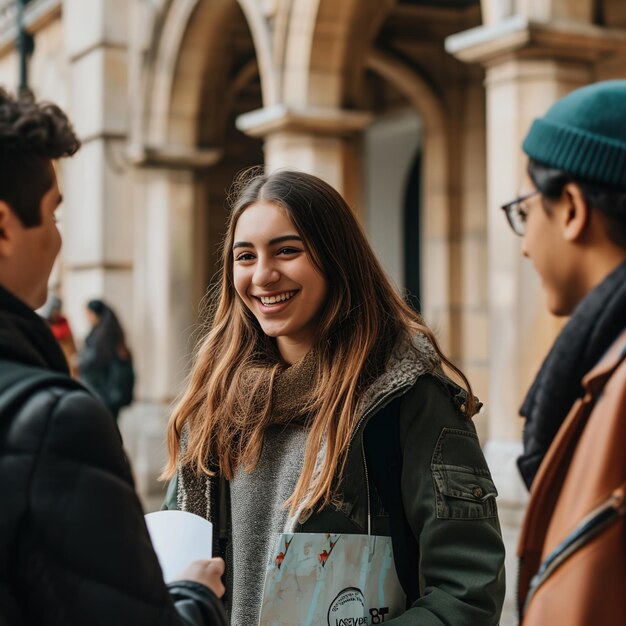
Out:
{"x": 290, "y": 390}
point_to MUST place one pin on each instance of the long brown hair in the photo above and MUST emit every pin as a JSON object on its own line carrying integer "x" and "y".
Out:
{"x": 360, "y": 323}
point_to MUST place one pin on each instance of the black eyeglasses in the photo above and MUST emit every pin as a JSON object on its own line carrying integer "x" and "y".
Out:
{"x": 517, "y": 213}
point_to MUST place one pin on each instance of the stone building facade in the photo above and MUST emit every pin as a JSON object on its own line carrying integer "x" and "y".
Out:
{"x": 414, "y": 109}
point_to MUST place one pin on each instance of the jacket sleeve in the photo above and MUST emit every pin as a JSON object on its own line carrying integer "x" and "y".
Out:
{"x": 170, "y": 502}
{"x": 85, "y": 554}
{"x": 449, "y": 500}
{"x": 196, "y": 604}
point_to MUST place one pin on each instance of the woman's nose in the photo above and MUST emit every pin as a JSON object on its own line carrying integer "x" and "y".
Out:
{"x": 265, "y": 273}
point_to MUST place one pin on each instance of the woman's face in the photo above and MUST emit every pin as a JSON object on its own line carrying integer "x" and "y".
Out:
{"x": 276, "y": 278}
{"x": 92, "y": 318}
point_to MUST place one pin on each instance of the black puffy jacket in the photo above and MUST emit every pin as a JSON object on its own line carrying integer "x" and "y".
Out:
{"x": 74, "y": 548}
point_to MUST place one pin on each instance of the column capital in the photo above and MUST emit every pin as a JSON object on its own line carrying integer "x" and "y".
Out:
{"x": 173, "y": 157}
{"x": 520, "y": 36}
{"x": 325, "y": 121}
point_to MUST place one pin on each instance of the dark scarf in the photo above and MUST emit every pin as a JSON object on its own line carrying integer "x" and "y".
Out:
{"x": 595, "y": 324}
{"x": 25, "y": 337}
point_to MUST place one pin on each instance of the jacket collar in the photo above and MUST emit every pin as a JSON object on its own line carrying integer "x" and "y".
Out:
{"x": 25, "y": 337}
{"x": 410, "y": 359}
{"x": 597, "y": 376}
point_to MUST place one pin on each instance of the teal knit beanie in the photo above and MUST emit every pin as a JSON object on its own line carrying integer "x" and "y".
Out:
{"x": 584, "y": 134}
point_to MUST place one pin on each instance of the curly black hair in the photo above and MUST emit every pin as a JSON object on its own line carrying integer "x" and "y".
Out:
{"x": 31, "y": 135}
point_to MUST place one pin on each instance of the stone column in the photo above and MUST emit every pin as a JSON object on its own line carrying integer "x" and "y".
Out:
{"x": 168, "y": 260}
{"x": 320, "y": 141}
{"x": 528, "y": 66}
{"x": 98, "y": 213}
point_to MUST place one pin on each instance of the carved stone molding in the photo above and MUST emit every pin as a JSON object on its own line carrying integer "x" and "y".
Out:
{"x": 310, "y": 120}
{"x": 523, "y": 37}
{"x": 173, "y": 157}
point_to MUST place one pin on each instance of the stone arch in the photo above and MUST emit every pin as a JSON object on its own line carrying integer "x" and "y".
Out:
{"x": 263, "y": 45}
{"x": 200, "y": 71}
{"x": 202, "y": 58}
{"x": 186, "y": 57}
{"x": 186, "y": 44}
{"x": 326, "y": 48}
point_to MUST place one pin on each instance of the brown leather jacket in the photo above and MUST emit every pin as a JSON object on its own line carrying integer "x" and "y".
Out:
{"x": 573, "y": 541}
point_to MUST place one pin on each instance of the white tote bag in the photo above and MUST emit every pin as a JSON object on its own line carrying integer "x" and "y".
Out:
{"x": 317, "y": 579}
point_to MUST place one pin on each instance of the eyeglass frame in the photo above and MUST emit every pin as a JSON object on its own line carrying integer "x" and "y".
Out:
{"x": 508, "y": 210}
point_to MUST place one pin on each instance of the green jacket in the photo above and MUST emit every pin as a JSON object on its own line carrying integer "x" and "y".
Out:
{"x": 415, "y": 471}
{"x": 431, "y": 491}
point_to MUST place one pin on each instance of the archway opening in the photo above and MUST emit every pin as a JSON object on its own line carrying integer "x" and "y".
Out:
{"x": 392, "y": 173}
{"x": 231, "y": 86}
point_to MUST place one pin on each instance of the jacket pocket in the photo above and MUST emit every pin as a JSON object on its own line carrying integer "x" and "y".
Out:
{"x": 462, "y": 491}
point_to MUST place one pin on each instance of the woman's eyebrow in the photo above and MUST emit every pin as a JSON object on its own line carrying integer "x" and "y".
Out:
{"x": 284, "y": 238}
{"x": 272, "y": 242}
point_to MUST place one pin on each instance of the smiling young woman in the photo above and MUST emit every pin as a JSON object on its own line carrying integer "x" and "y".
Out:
{"x": 315, "y": 377}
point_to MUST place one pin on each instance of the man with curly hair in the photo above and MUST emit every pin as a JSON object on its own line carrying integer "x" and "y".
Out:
{"x": 74, "y": 548}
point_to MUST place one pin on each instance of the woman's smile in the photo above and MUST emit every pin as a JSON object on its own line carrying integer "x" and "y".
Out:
{"x": 273, "y": 300}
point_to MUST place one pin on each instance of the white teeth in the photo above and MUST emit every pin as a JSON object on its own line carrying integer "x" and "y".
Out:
{"x": 279, "y": 298}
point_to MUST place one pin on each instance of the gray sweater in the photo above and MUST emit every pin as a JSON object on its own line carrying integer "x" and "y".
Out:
{"x": 257, "y": 514}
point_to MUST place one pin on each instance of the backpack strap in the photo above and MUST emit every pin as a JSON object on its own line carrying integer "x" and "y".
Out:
{"x": 18, "y": 382}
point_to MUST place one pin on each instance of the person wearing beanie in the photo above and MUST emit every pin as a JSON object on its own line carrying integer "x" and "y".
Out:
{"x": 571, "y": 216}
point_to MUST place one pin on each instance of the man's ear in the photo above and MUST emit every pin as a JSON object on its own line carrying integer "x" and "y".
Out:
{"x": 576, "y": 212}
{"x": 7, "y": 229}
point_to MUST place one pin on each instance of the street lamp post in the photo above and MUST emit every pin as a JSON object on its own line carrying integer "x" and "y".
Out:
{"x": 25, "y": 44}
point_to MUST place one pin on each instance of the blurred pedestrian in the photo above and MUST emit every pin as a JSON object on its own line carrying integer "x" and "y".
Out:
{"x": 74, "y": 548}
{"x": 571, "y": 214}
{"x": 105, "y": 363}
{"x": 60, "y": 327}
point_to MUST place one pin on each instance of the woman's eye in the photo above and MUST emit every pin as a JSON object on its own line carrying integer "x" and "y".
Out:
{"x": 244, "y": 256}
{"x": 522, "y": 214}
{"x": 288, "y": 251}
